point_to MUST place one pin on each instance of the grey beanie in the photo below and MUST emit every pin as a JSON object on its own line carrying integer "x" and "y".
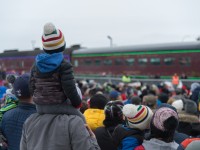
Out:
{"x": 190, "y": 107}
{"x": 194, "y": 86}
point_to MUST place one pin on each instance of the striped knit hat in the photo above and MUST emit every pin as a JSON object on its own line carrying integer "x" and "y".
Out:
{"x": 52, "y": 39}
{"x": 137, "y": 116}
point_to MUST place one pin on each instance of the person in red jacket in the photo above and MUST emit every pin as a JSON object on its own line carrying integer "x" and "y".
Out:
{"x": 175, "y": 80}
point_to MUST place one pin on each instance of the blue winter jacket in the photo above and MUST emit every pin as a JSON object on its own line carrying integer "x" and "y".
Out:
{"x": 12, "y": 123}
{"x": 126, "y": 138}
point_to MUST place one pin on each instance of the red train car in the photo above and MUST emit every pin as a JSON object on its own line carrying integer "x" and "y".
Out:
{"x": 154, "y": 59}
{"x": 149, "y": 60}
{"x": 21, "y": 61}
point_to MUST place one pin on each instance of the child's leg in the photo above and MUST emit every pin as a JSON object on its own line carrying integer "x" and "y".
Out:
{"x": 64, "y": 108}
{"x": 76, "y": 112}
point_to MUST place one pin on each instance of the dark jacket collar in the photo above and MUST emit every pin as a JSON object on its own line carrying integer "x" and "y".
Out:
{"x": 26, "y": 105}
{"x": 64, "y": 108}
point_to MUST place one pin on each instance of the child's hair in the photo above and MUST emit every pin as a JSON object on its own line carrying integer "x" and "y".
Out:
{"x": 98, "y": 101}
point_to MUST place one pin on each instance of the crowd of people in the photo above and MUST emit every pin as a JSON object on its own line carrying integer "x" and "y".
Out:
{"x": 47, "y": 109}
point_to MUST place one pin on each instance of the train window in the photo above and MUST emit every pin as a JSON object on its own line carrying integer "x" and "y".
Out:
{"x": 107, "y": 62}
{"x": 76, "y": 63}
{"x": 142, "y": 61}
{"x": 185, "y": 61}
{"x": 130, "y": 61}
{"x": 118, "y": 62}
{"x": 155, "y": 61}
{"x": 97, "y": 62}
{"x": 87, "y": 62}
{"x": 169, "y": 61}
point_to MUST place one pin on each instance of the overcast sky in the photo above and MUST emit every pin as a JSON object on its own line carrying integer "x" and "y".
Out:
{"x": 89, "y": 22}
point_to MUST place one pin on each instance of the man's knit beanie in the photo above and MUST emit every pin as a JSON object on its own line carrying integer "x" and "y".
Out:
{"x": 21, "y": 86}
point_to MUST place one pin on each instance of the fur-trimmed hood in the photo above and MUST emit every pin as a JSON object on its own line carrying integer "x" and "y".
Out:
{"x": 190, "y": 118}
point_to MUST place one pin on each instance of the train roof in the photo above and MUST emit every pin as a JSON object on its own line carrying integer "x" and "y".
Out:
{"x": 16, "y": 53}
{"x": 146, "y": 47}
{"x": 11, "y": 53}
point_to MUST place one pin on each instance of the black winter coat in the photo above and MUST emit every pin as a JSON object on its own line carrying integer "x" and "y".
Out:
{"x": 54, "y": 87}
{"x": 104, "y": 138}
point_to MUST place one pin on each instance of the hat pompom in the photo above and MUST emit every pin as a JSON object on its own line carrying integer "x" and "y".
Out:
{"x": 170, "y": 124}
{"x": 129, "y": 110}
{"x": 49, "y": 28}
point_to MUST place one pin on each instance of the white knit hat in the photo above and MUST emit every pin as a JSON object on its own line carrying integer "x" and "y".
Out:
{"x": 137, "y": 116}
{"x": 178, "y": 104}
{"x": 52, "y": 39}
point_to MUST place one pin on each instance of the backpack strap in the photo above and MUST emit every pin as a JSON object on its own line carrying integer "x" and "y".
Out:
{"x": 108, "y": 133}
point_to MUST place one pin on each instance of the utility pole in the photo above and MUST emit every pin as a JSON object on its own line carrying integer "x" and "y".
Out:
{"x": 111, "y": 40}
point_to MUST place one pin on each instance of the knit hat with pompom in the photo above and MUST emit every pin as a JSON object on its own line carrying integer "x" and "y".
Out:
{"x": 52, "y": 39}
{"x": 164, "y": 123}
{"x": 161, "y": 116}
{"x": 137, "y": 116}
